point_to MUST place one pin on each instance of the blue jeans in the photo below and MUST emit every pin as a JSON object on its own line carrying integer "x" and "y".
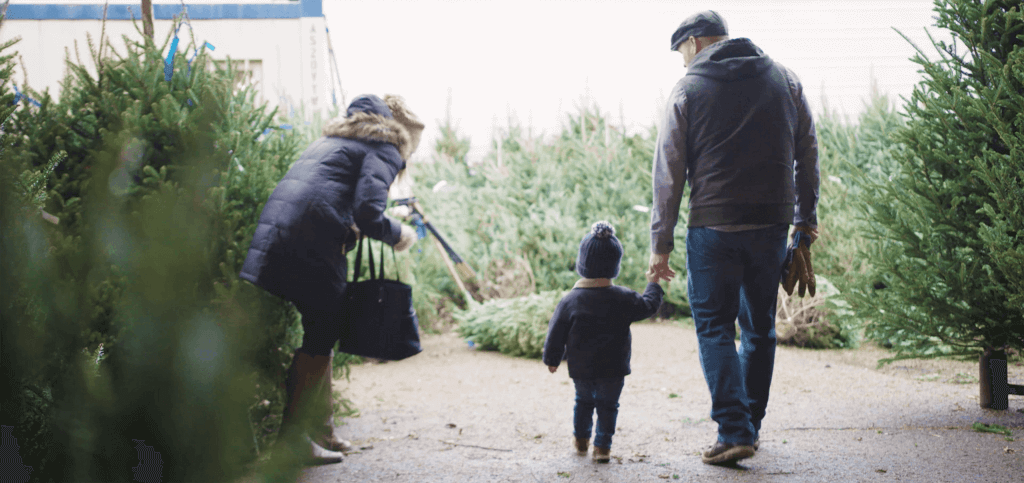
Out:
{"x": 602, "y": 394}
{"x": 730, "y": 275}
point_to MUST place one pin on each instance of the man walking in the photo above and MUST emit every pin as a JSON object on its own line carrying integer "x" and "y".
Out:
{"x": 737, "y": 127}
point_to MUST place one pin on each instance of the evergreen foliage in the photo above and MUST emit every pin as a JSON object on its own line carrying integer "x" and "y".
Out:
{"x": 130, "y": 321}
{"x": 537, "y": 201}
{"x": 449, "y": 146}
{"x": 24, "y": 269}
{"x": 518, "y": 217}
{"x": 851, "y": 155}
{"x": 516, "y": 327}
{"x": 946, "y": 228}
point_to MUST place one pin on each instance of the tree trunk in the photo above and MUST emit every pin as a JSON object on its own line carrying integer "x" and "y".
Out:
{"x": 147, "y": 18}
{"x": 992, "y": 379}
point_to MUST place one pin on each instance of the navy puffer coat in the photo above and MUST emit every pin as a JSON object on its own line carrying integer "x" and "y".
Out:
{"x": 297, "y": 251}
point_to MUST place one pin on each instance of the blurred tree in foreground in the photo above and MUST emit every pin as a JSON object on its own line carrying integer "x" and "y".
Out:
{"x": 125, "y": 328}
{"x": 24, "y": 269}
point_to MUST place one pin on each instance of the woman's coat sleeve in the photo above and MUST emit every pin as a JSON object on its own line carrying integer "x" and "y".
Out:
{"x": 371, "y": 198}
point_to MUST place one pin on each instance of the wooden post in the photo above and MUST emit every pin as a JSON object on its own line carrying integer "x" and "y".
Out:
{"x": 992, "y": 379}
{"x": 147, "y": 18}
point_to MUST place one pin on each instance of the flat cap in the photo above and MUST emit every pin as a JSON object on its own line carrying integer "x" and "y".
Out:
{"x": 704, "y": 24}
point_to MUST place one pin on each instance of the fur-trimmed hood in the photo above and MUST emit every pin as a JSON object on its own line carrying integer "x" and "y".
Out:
{"x": 406, "y": 118}
{"x": 369, "y": 118}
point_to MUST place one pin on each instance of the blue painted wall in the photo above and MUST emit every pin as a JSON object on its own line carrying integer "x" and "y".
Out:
{"x": 55, "y": 11}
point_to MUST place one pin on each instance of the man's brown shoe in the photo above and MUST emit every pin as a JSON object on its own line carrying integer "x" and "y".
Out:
{"x": 602, "y": 455}
{"x": 581, "y": 445}
{"x": 722, "y": 453}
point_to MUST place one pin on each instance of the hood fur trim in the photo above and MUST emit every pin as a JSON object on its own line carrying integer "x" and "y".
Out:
{"x": 406, "y": 118}
{"x": 366, "y": 126}
{"x": 401, "y": 111}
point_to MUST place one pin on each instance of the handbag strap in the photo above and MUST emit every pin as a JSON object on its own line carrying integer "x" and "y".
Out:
{"x": 381, "y": 273}
{"x": 369, "y": 256}
{"x": 374, "y": 273}
{"x": 359, "y": 261}
{"x": 398, "y": 275}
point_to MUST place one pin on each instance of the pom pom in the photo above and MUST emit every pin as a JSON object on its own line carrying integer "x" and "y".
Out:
{"x": 603, "y": 229}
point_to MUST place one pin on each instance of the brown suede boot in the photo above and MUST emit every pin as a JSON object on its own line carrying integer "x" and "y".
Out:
{"x": 581, "y": 445}
{"x": 602, "y": 455}
{"x": 724, "y": 454}
{"x": 322, "y": 429}
{"x": 304, "y": 375}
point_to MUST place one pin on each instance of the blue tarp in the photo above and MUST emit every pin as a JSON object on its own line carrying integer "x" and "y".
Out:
{"x": 166, "y": 11}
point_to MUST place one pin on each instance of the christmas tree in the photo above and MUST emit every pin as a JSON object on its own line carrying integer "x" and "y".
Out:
{"x": 127, "y": 314}
{"x": 946, "y": 228}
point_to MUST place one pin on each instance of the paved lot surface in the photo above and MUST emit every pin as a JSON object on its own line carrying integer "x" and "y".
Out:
{"x": 452, "y": 414}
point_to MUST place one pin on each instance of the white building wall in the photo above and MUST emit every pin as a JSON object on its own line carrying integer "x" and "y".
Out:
{"x": 291, "y": 52}
{"x": 840, "y": 47}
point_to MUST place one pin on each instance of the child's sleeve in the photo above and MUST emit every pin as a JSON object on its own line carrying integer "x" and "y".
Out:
{"x": 646, "y": 305}
{"x": 558, "y": 335}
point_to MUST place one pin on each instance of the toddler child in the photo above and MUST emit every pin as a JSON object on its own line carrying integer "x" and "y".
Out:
{"x": 590, "y": 328}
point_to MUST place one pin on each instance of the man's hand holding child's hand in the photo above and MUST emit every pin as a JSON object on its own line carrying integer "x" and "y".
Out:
{"x": 552, "y": 369}
{"x": 658, "y": 269}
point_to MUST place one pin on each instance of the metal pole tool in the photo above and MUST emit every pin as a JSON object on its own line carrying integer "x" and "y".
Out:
{"x": 457, "y": 267}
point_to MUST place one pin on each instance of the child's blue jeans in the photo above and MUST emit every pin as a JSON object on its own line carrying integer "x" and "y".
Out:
{"x": 600, "y": 394}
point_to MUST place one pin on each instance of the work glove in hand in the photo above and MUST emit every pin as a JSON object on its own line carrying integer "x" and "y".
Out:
{"x": 408, "y": 238}
{"x": 797, "y": 269}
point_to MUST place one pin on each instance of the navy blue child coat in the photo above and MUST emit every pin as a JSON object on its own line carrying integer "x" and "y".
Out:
{"x": 590, "y": 327}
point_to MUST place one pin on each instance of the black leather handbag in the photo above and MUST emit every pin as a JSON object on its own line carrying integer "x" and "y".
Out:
{"x": 380, "y": 321}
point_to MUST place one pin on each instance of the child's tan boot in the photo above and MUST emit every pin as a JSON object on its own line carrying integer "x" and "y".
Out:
{"x": 602, "y": 455}
{"x": 581, "y": 445}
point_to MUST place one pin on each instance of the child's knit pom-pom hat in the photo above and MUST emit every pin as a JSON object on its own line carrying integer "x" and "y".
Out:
{"x": 600, "y": 252}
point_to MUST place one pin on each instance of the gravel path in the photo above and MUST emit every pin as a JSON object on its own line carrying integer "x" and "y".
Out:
{"x": 452, "y": 414}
